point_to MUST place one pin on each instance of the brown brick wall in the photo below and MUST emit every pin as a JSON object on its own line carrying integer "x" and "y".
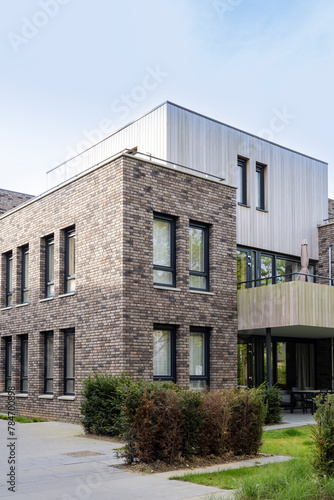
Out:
{"x": 326, "y": 239}
{"x": 115, "y": 304}
{"x": 330, "y": 209}
{"x": 11, "y": 199}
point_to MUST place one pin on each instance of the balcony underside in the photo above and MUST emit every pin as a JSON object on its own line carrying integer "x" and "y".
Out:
{"x": 295, "y": 309}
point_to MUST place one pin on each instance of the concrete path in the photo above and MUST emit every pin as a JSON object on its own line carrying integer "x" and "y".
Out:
{"x": 296, "y": 419}
{"x": 55, "y": 462}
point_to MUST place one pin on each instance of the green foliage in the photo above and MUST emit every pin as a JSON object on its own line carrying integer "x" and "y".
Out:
{"x": 273, "y": 401}
{"x": 213, "y": 430}
{"x": 323, "y": 436}
{"x": 193, "y": 418}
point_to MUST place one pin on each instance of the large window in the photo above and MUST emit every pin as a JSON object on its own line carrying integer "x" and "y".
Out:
{"x": 164, "y": 353}
{"x": 260, "y": 170}
{"x": 164, "y": 250}
{"x": 49, "y": 267}
{"x": 9, "y": 279}
{"x": 199, "y": 359}
{"x": 198, "y": 256}
{"x": 8, "y": 363}
{"x": 242, "y": 181}
{"x": 24, "y": 363}
{"x": 69, "y": 375}
{"x": 48, "y": 363}
{"x": 70, "y": 261}
{"x": 25, "y": 275}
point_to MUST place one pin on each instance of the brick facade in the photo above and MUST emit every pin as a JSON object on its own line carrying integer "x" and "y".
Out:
{"x": 326, "y": 239}
{"x": 11, "y": 199}
{"x": 116, "y": 305}
{"x": 330, "y": 209}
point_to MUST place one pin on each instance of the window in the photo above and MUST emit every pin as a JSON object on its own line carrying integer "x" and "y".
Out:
{"x": 9, "y": 279}
{"x": 25, "y": 275}
{"x": 69, "y": 376}
{"x": 199, "y": 359}
{"x": 198, "y": 256}
{"x": 164, "y": 353}
{"x": 242, "y": 181}
{"x": 48, "y": 363}
{"x": 24, "y": 363}
{"x": 8, "y": 363}
{"x": 164, "y": 250}
{"x": 70, "y": 261}
{"x": 49, "y": 267}
{"x": 260, "y": 185}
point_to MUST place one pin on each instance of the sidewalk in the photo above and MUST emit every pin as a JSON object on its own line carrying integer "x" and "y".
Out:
{"x": 55, "y": 463}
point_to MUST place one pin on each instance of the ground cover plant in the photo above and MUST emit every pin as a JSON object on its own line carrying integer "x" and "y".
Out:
{"x": 23, "y": 420}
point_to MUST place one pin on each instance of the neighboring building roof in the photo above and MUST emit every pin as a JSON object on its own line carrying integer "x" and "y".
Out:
{"x": 11, "y": 199}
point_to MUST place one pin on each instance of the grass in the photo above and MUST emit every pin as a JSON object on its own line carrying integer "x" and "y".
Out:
{"x": 23, "y": 420}
{"x": 292, "y": 442}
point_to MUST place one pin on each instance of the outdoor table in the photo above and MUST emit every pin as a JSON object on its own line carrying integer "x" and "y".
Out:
{"x": 303, "y": 393}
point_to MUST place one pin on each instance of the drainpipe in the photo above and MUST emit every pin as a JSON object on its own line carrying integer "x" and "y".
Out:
{"x": 330, "y": 265}
{"x": 268, "y": 345}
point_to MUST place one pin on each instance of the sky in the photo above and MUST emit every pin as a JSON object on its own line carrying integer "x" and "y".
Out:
{"x": 74, "y": 71}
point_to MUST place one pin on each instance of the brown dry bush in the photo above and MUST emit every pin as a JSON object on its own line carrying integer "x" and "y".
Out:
{"x": 213, "y": 431}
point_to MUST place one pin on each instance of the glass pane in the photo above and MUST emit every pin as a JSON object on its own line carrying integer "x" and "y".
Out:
{"x": 266, "y": 269}
{"x": 25, "y": 296}
{"x": 71, "y": 256}
{"x": 50, "y": 276}
{"x": 49, "y": 357}
{"x": 69, "y": 386}
{"x": 241, "y": 269}
{"x": 288, "y": 268}
{"x": 26, "y": 271}
{"x": 258, "y": 184}
{"x": 196, "y": 354}
{"x": 198, "y": 385}
{"x": 10, "y": 275}
{"x": 161, "y": 243}
{"x": 49, "y": 386}
{"x": 69, "y": 355}
{"x": 50, "y": 290}
{"x": 24, "y": 385}
{"x": 9, "y": 300}
{"x": 197, "y": 281}
{"x": 162, "y": 353}
{"x": 9, "y": 359}
{"x": 25, "y": 358}
{"x": 312, "y": 272}
{"x": 240, "y": 185}
{"x": 163, "y": 277}
{"x": 242, "y": 365}
{"x": 70, "y": 287}
{"x": 281, "y": 364}
{"x": 196, "y": 249}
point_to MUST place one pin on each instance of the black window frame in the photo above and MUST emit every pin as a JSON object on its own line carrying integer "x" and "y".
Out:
{"x": 8, "y": 354}
{"x": 67, "y": 334}
{"x": 242, "y": 164}
{"x": 48, "y": 283}
{"x": 9, "y": 278}
{"x": 172, "y": 376}
{"x": 69, "y": 234}
{"x": 172, "y": 269}
{"x": 24, "y": 264}
{"x": 47, "y": 335}
{"x": 205, "y": 273}
{"x": 260, "y": 170}
{"x": 24, "y": 378}
{"x": 207, "y": 334}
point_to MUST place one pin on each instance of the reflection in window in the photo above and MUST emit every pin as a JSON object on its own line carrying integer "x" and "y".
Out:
{"x": 267, "y": 270}
{"x": 49, "y": 267}
{"x": 25, "y": 275}
{"x": 69, "y": 363}
{"x": 70, "y": 261}
{"x": 198, "y": 257}
{"x": 163, "y": 251}
{"x": 286, "y": 269}
{"x": 163, "y": 353}
{"x": 241, "y": 269}
{"x": 198, "y": 360}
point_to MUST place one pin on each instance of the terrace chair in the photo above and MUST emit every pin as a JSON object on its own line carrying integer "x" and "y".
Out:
{"x": 308, "y": 400}
{"x": 297, "y": 399}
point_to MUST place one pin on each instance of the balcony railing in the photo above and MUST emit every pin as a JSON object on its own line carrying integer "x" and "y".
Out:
{"x": 284, "y": 278}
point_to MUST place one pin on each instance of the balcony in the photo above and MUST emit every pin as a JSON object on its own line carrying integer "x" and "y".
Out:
{"x": 297, "y": 309}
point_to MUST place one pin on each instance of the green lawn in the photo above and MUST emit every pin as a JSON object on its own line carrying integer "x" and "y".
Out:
{"x": 291, "y": 480}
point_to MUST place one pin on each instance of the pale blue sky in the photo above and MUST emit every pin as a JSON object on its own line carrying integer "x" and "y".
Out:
{"x": 66, "y": 65}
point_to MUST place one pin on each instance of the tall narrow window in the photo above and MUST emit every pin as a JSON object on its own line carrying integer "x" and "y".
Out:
{"x": 48, "y": 363}
{"x": 164, "y": 250}
{"x": 25, "y": 275}
{"x": 164, "y": 353}
{"x": 49, "y": 267}
{"x": 24, "y": 363}
{"x": 70, "y": 261}
{"x": 8, "y": 363}
{"x": 9, "y": 279}
{"x": 198, "y": 256}
{"x": 199, "y": 359}
{"x": 69, "y": 376}
{"x": 242, "y": 181}
{"x": 260, "y": 186}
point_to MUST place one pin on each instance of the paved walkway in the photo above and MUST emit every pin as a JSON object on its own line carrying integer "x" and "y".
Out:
{"x": 53, "y": 462}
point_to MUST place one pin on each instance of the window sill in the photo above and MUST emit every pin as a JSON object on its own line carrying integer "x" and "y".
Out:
{"x": 4, "y": 394}
{"x": 262, "y": 210}
{"x": 243, "y": 205}
{"x": 171, "y": 288}
{"x": 22, "y": 305}
{"x": 69, "y": 294}
{"x": 66, "y": 398}
{"x": 46, "y": 299}
{"x": 45, "y": 396}
{"x": 203, "y": 292}
{"x": 21, "y": 395}
{"x": 6, "y": 308}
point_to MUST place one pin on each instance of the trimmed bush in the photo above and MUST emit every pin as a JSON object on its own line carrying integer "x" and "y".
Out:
{"x": 213, "y": 431}
{"x": 273, "y": 400}
{"x": 191, "y": 404}
{"x": 323, "y": 436}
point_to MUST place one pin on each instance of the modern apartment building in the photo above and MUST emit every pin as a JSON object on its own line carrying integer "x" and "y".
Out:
{"x": 170, "y": 250}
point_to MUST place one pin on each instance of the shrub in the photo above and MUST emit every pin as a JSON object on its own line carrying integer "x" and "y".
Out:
{"x": 273, "y": 401}
{"x": 213, "y": 431}
{"x": 193, "y": 417}
{"x": 323, "y": 436}
{"x": 101, "y": 407}
{"x": 246, "y": 417}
